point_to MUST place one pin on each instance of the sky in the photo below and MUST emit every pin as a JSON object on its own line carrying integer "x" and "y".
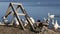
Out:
{"x": 37, "y": 2}
{"x": 30, "y": 0}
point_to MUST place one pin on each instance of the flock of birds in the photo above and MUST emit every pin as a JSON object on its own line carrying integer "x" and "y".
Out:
{"x": 25, "y": 22}
{"x": 54, "y": 23}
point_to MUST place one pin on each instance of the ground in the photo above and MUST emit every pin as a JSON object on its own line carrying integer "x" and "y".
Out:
{"x": 14, "y": 30}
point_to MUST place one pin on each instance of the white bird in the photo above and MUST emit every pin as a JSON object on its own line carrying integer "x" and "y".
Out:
{"x": 16, "y": 21}
{"x": 52, "y": 22}
{"x": 33, "y": 21}
{"x": 25, "y": 22}
{"x": 50, "y": 16}
{"x": 56, "y": 26}
{"x": 45, "y": 19}
{"x": 5, "y": 20}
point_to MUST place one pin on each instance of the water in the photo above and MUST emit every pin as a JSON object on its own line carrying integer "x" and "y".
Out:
{"x": 34, "y": 10}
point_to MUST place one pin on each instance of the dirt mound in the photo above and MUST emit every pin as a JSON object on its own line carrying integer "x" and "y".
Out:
{"x": 13, "y": 30}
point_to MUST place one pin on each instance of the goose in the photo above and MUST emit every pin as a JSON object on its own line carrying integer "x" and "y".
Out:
{"x": 33, "y": 21}
{"x": 26, "y": 22}
{"x": 5, "y": 19}
{"x": 56, "y": 26}
{"x": 50, "y": 16}
{"x": 46, "y": 20}
{"x": 52, "y": 22}
{"x": 16, "y": 21}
